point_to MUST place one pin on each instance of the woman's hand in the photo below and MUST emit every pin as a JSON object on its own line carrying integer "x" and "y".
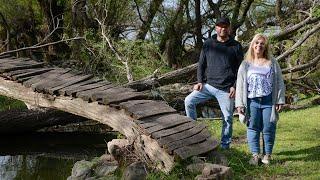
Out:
{"x": 197, "y": 87}
{"x": 240, "y": 110}
{"x": 279, "y": 107}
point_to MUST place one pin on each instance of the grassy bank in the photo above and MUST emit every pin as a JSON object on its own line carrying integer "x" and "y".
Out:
{"x": 296, "y": 152}
{"x": 9, "y": 103}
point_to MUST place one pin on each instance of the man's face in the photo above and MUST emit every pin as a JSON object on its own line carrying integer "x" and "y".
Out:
{"x": 223, "y": 30}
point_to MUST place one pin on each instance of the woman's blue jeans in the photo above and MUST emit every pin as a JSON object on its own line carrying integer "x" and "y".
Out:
{"x": 226, "y": 105}
{"x": 260, "y": 112}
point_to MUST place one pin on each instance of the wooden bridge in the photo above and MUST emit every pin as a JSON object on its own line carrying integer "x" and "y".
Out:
{"x": 158, "y": 133}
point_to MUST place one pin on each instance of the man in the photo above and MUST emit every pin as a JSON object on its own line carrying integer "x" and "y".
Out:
{"x": 219, "y": 61}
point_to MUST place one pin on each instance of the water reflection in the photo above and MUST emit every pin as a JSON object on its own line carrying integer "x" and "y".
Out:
{"x": 46, "y": 156}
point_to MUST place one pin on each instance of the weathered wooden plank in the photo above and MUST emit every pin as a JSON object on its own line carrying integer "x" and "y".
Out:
{"x": 203, "y": 135}
{"x": 5, "y": 56}
{"x": 70, "y": 81}
{"x": 12, "y": 60}
{"x": 109, "y": 92}
{"x": 121, "y": 97}
{"x": 86, "y": 95}
{"x": 174, "y": 130}
{"x": 75, "y": 86}
{"x": 75, "y": 91}
{"x": 196, "y": 149}
{"x": 17, "y": 62}
{"x": 38, "y": 86}
{"x": 27, "y": 66}
{"x": 130, "y": 103}
{"x": 34, "y": 72}
{"x": 164, "y": 122}
{"x": 37, "y": 78}
{"x": 42, "y": 77}
{"x": 21, "y": 80}
{"x": 144, "y": 110}
{"x": 12, "y": 73}
{"x": 180, "y": 135}
{"x": 64, "y": 78}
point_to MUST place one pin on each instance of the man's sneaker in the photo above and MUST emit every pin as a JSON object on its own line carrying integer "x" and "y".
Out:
{"x": 266, "y": 159}
{"x": 254, "y": 160}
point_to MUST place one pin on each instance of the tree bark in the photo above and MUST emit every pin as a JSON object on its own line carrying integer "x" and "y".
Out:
{"x": 183, "y": 75}
{"x": 7, "y": 28}
{"x": 146, "y": 23}
{"x": 198, "y": 26}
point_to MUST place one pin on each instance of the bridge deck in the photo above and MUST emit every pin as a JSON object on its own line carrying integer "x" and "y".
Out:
{"x": 176, "y": 134}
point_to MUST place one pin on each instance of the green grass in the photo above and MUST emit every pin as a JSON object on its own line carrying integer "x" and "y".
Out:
{"x": 296, "y": 152}
{"x": 9, "y": 103}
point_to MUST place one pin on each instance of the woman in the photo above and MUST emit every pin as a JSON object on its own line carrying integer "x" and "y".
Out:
{"x": 259, "y": 97}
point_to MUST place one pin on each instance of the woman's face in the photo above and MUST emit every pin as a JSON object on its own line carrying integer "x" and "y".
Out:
{"x": 259, "y": 46}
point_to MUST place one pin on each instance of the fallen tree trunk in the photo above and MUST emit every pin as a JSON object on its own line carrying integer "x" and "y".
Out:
{"x": 14, "y": 121}
{"x": 184, "y": 75}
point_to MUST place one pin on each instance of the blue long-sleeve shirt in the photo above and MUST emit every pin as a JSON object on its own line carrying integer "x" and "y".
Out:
{"x": 219, "y": 63}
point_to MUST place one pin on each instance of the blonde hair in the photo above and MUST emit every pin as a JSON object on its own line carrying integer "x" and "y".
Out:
{"x": 266, "y": 54}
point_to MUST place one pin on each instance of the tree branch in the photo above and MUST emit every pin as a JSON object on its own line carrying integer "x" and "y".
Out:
{"x": 283, "y": 34}
{"x": 299, "y": 42}
{"x": 40, "y": 46}
{"x": 6, "y": 26}
{"x": 123, "y": 61}
{"x": 312, "y": 63}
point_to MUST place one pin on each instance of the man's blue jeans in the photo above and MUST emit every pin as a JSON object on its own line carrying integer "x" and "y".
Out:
{"x": 226, "y": 105}
{"x": 260, "y": 112}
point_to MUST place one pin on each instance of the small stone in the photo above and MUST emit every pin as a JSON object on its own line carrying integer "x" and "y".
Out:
{"x": 135, "y": 171}
{"x": 209, "y": 170}
{"x": 196, "y": 168}
{"x": 196, "y": 159}
{"x": 211, "y": 177}
{"x": 106, "y": 158}
{"x": 82, "y": 169}
{"x": 120, "y": 143}
{"x": 105, "y": 169}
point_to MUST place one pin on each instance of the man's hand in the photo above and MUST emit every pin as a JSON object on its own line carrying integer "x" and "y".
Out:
{"x": 279, "y": 107}
{"x": 240, "y": 110}
{"x": 232, "y": 92}
{"x": 197, "y": 87}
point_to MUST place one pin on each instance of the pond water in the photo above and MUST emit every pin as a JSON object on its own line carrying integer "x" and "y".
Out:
{"x": 47, "y": 156}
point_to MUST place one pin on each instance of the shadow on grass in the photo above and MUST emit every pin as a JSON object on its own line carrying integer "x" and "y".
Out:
{"x": 308, "y": 154}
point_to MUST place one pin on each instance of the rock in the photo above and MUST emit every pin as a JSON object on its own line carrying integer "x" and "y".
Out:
{"x": 135, "y": 171}
{"x": 105, "y": 165}
{"x": 110, "y": 177}
{"x": 105, "y": 168}
{"x": 218, "y": 158}
{"x": 81, "y": 170}
{"x": 196, "y": 167}
{"x": 106, "y": 158}
{"x": 196, "y": 159}
{"x": 210, "y": 171}
{"x": 115, "y": 146}
{"x": 211, "y": 177}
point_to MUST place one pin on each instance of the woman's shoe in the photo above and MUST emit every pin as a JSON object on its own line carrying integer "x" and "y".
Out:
{"x": 254, "y": 160}
{"x": 266, "y": 159}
